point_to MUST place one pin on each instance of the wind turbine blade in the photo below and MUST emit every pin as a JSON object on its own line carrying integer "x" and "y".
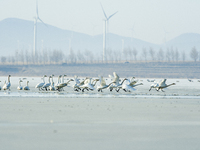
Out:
{"x": 42, "y": 21}
{"x": 112, "y": 15}
{"x": 104, "y": 11}
{"x": 37, "y": 8}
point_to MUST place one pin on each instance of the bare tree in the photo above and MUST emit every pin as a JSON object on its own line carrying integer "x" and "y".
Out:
{"x": 125, "y": 52}
{"x": 152, "y": 54}
{"x": 45, "y": 56}
{"x": 27, "y": 57}
{"x": 183, "y": 56}
{"x": 130, "y": 53}
{"x": 116, "y": 56}
{"x": 160, "y": 55}
{"x": 168, "y": 55}
{"x": 109, "y": 54}
{"x": 16, "y": 56}
{"x": 3, "y": 59}
{"x": 172, "y": 54}
{"x": 91, "y": 57}
{"x": 194, "y": 54}
{"x": 21, "y": 56}
{"x": 87, "y": 55}
{"x": 57, "y": 56}
{"x": 72, "y": 56}
{"x": 144, "y": 54}
{"x": 80, "y": 56}
{"x": 135, "y": 52}
{"x": 13, "y": 59}
{"x": 177, "y": 55}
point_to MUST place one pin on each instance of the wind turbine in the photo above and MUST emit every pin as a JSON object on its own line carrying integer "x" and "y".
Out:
{"x": 36, "y": 18}
{"x": 106, "y": 27}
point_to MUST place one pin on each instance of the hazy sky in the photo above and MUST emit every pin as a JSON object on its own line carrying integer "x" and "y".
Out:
{"x": 150, "y": 18}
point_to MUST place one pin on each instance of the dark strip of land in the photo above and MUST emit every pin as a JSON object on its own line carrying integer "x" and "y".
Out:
{"x": 139, "y": 70}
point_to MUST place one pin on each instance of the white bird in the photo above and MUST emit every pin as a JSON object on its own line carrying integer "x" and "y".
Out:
{"x": 78, "y": 84}
{"x": 58, "y": 81}
{"x": 60, "y": 86}
{"x": 103, "y": 84}
{"x": 163, "y": 85}
{"x": 19, "y": 86}
{"x": 46, "y": 85}
{"x": 8, "y": 84}
{"x": 63, "y": 80}
{"x": 150, "y": 80}
{"x": 51, "y": 87}
{"x": 94, "y": 82}
{"x": 87, "y": 85}
{"x": 39, "y": 85}
{"x": 115, "y": 79}
{"x": 128, "y": 87}
{"x": 26, "y": 87}
{"x": 154, "y": 85}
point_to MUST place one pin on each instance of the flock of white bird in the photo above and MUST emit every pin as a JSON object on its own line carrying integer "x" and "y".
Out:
{"x": 89, "y": 84}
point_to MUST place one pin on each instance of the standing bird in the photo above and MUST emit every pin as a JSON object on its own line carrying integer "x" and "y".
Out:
{"x": 46, "y": 85}
{"x": 19, "y": 86}
{"x": 51, "y": 87}
{"x": 8, "y": 84}
{"x": 26, "y": 87}
{"x": 39, "y": 85}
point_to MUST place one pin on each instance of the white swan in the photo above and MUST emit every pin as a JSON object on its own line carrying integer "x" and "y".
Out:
{"x": 163, "y": 85}
{"x": 8, "y": 84}
{"x": 78, "y": 84}
{"x": 51, "y": 87}
{"x": 94, "y": 82}
{"x": 58, "y": 81}
{"x": 103, "y": 84}
{"x": 62, "y": 85}
{"x": 87, "y": 85}
{"x": 63, "y": 80}
{"x": 46, "y": 85}
{"x": 39, "y": 85}
{"x": 19, "y": 86}
{"x": 115, "y": 79}
{"x": 26, "y": 87}
{"x": 154, "y": 85}
{"x": 151, "y": 80}
{"x": 128, "y": 87}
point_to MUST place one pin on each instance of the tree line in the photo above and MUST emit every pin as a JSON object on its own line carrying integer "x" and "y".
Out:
{"x": 22, "y": 57}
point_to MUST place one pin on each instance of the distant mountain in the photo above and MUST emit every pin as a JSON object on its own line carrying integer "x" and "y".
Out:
{"x": 185, "y": 42}
{"x": 18, "y": 34}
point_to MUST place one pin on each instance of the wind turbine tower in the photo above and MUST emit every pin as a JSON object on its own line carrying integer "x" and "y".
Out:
{"x": 36, "y": 18}
{"x": 106, "y": 20}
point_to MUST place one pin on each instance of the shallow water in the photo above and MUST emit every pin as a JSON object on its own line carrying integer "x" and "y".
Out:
{"x": 182, "y": 89}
